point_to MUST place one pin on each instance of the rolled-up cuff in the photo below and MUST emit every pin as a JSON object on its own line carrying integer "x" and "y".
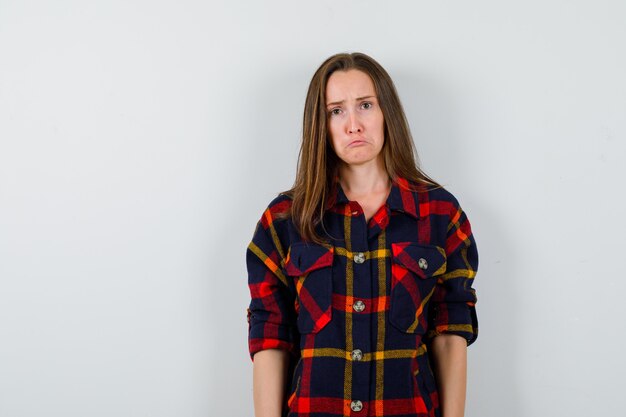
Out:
{"x": 265, "y": 335}
{"x": 455, "y": 318}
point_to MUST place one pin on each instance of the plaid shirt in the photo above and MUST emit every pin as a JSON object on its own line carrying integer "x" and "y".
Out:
{"x": 358, "y": 314}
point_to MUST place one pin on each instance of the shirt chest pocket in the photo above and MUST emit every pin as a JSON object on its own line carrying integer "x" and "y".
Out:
{"x": 414, "y": 271}
{"x": 310, "y": 266}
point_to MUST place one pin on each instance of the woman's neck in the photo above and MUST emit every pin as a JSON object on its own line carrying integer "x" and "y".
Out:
{"x": 363, "y": 180}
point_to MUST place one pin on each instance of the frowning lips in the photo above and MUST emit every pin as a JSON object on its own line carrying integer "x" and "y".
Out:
{"x": 358, "y": 141}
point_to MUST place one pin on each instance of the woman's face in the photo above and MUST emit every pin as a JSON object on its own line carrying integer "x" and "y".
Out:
{"x": 355, "y": 120}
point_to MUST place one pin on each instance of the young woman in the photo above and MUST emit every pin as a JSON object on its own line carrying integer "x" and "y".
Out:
{"x": 360, "y": 275}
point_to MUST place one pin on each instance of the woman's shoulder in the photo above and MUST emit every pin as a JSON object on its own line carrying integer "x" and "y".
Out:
{"x": 278, "y": 209}
{"x": 429, "y": 191}
{"x": 434, "y": 198}
{"x": 441, "y": 193}
{"x": 273, "y": 225}
{"x": 281, "y": 203}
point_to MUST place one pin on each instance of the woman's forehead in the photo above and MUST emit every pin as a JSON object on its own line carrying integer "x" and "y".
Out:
{"x": 350, "y": 84}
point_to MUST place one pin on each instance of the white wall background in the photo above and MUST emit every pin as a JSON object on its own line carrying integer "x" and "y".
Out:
{"x": 141, "y": 140}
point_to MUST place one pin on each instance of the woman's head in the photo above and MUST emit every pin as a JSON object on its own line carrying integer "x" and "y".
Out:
{"x": 397, "y": 150}
{"x": 355, "y": 122}
{"x": 318, "y": 162}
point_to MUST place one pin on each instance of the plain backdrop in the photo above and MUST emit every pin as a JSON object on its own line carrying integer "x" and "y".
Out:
{"x": 140, "y": 142}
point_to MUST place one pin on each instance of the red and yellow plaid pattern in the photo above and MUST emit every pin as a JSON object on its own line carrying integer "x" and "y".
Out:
{"x": 358, "y": 314}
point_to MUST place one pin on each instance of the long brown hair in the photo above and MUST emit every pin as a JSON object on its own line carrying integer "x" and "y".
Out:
{"x": 318, "y": 163}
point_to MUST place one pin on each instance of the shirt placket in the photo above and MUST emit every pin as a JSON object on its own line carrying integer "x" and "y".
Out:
{"x": 359, "y": 341}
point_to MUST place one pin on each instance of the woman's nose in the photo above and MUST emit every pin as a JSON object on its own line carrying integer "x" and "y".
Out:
{"x": 354, "y": 124}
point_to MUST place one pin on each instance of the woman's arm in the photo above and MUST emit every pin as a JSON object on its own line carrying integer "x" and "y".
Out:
{"x": 268, "y": 380}
{"x": 450, "y": 357}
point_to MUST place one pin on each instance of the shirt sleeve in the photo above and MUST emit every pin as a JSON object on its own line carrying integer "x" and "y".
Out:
{"x": 271, "y": 313}
{"x": 453, "y": 303}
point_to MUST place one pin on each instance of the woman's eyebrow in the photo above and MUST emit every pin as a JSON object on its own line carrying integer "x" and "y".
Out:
{"x": 334, "y": 103}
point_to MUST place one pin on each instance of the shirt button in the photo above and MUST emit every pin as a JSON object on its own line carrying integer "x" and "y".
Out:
{"x": 422, "y": 263}
{"x": 359, "y": 257}
{"x": 358, "y": 306}
{"x": 356, "y": 405}
{"x": 357, "y": 355}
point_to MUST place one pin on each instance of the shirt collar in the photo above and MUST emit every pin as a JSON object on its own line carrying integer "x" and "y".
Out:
{"x": 400, "y": 198}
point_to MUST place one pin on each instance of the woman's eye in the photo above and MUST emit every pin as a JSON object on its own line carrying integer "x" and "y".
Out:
{"x": 335, "y": 112}
{"x": 366, "y": 105}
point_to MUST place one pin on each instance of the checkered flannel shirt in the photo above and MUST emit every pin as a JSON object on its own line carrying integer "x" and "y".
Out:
{"x": 358, "y": 313}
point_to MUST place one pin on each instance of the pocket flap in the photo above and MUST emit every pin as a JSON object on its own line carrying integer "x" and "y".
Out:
{"x": 424, "y": 260}
{"x": 303, "y": 258}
